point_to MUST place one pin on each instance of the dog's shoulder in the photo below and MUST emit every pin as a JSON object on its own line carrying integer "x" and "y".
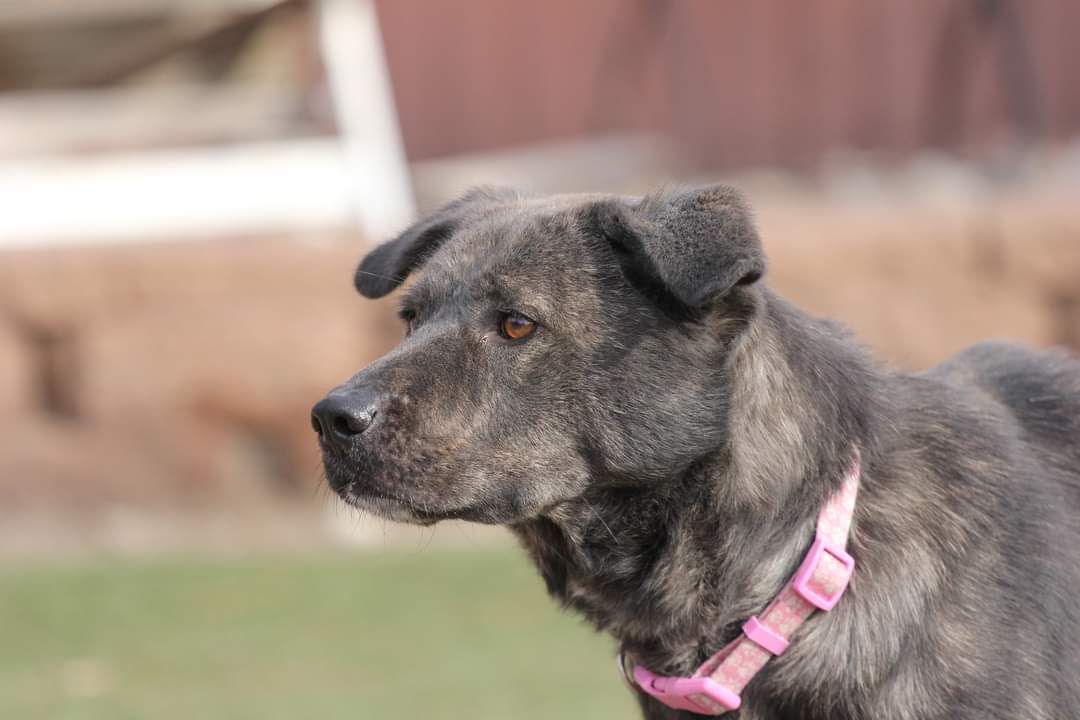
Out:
{"x": 1005, "y": 356}
{"x": 1015, "y": 374}
{"x": 1040, "y": 389}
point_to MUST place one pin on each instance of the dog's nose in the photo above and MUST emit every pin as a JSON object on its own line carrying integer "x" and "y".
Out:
{"x": 343, "y": 415}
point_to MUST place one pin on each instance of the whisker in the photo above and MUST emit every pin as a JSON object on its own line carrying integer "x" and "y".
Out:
{"x": 597, "y": 516}
{"x": 392, "y": 278}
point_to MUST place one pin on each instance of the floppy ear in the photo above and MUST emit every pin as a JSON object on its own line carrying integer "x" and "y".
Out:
{"x": 387, "y": 266}
{"x": 693, "y": 244}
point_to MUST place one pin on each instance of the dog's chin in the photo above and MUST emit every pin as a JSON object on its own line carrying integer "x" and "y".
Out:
{"x": 369, "y": 499}
{"x": 413, "y": 512}
{"x": 387, "y": 508}
{"x": 494, "y": 502}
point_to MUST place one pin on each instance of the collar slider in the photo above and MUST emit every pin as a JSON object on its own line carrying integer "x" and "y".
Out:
{"x": 820, "y": 585}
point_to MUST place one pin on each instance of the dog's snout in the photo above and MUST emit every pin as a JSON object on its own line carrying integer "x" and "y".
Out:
{"x": 343, "y": 415}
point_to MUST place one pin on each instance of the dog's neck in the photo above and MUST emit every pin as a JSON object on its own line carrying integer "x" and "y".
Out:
{"x": 673, "y": 568}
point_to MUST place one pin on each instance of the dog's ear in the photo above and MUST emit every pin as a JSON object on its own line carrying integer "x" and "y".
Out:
{"x": 387, "y": 266}
{"x": 694, "y": 245}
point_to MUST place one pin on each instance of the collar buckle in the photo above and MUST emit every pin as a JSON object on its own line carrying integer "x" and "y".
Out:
{"x": 821, "y": 585}
{"x": 700, "y": 695}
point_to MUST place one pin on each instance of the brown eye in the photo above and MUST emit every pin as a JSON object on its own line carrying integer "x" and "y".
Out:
{"x": 516, "y": 327}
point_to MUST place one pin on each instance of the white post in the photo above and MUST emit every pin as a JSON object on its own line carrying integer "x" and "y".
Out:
{"x": 360, "y": 86}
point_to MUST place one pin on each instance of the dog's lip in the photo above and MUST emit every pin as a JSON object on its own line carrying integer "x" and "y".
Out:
{"x": 355, "y": 490}
{"x": 355, "y": 494}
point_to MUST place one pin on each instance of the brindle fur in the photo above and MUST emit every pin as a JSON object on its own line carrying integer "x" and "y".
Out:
{"x": 662, "y": 445}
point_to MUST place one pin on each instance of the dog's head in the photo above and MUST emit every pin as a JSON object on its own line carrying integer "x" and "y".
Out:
{"x": 553, "y": 344}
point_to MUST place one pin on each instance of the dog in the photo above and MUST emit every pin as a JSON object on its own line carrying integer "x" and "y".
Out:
{"x": 611, "y": 378}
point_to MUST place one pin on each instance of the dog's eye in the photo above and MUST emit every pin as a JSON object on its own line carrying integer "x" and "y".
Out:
{"x": 513, "y": 326}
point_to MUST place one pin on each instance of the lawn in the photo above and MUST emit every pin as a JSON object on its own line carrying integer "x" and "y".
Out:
{"x": 438, "y": 633}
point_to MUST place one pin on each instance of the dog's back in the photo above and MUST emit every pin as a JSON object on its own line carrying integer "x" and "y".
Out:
{"x": 1040, "y": 390}
{"x": 1037, "y": 393}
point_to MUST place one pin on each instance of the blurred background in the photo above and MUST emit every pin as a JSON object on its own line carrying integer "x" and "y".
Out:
{"x": 187, "y": 185}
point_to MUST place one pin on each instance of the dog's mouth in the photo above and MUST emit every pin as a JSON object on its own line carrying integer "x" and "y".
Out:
{"x": 430, "y": 491}
{"x": 399, "y": 509}
{"x": 384, "y": 505}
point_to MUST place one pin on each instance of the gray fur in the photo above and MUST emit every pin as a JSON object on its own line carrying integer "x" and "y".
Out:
{"x": 662, "y": 444}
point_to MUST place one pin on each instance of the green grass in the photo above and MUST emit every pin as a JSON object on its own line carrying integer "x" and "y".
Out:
{"x": 435, "y": 634}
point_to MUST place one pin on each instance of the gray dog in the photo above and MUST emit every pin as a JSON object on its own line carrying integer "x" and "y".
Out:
{"x": 610, "y": 378}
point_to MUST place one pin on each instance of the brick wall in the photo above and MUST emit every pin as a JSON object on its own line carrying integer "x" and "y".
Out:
{"x": 174, "y": 373}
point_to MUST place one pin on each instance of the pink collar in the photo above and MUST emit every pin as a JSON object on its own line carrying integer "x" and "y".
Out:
{"x": 817, "y": 585}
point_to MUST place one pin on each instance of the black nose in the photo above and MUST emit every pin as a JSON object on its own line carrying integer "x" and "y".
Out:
{"x": 343, "y": 414}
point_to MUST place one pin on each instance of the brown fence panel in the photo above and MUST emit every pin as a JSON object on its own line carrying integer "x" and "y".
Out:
{"x": 770, "y": 82}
